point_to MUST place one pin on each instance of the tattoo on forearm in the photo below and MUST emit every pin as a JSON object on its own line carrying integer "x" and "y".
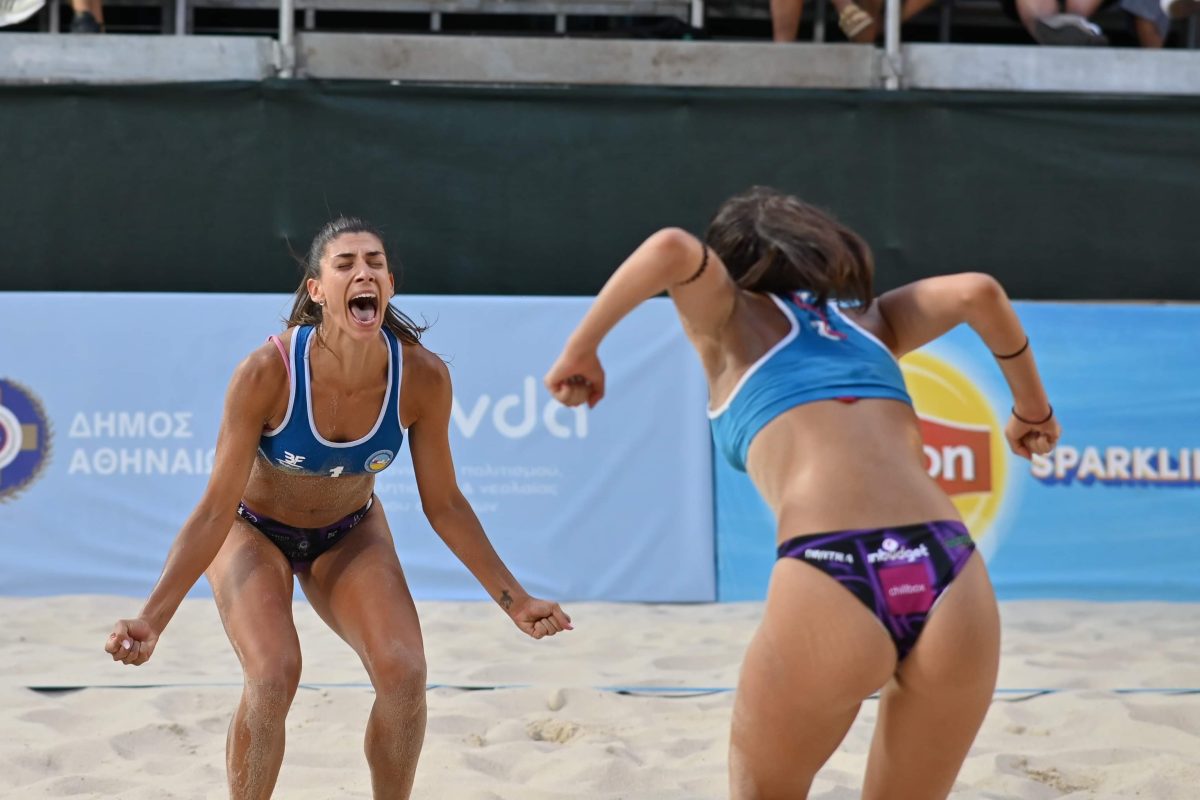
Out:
{"x": 505, "y": 600}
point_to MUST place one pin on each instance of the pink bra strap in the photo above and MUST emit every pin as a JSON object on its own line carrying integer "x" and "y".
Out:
{"x": 282, "y": 352}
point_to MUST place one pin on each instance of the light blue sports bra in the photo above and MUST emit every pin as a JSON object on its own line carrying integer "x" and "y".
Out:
{"x": 296, "y": 446}
{"x": 825, "y": 356}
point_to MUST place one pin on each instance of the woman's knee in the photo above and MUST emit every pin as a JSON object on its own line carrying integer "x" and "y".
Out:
{"x": 398, "y": 672}
{"x": 274, "y": 676}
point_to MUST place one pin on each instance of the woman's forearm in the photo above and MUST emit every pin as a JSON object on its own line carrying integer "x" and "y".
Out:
{"x": 193, "y": 550}
{"x": 993, "y": 317}
{"x": 462, "y": 532}
{"x": 659, "y": 263}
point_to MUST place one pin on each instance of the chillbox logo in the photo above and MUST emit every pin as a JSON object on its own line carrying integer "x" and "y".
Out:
{"x": 24, "y": 438}
{"x": 515, "y": 416}
{"x": 963, "y": 441}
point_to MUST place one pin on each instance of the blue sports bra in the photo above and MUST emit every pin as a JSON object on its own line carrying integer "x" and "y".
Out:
{"x": 296, "y": 446}
{"x": 825, "y": 356}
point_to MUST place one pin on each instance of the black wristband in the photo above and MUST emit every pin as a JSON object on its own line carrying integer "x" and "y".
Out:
{"x": 1024, "y": 347}
{"x": 1019, "y": 418}
{"x": 699, "y": 272}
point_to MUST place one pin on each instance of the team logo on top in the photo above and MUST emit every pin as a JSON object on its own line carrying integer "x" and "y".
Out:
{"x": 291, "y": 461}
{"x": 379, "y": 460}
{"x": 964, "y": 443}
{"x": 24, "y": 438}
{"x": 818, "y": 321}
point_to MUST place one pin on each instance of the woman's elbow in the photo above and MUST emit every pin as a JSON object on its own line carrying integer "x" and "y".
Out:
{"x": 444, "y": 508}
{"x": 672, "y": 241}
{"x": 982, "y": 291}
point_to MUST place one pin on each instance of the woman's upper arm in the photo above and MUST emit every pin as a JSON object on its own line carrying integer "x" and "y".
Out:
{"x": 706, "y": 297}
{"x": 910, "y": 316}
{"x": 253, "y": 392}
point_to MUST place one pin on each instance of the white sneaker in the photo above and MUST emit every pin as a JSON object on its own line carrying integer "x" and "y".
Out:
{"x": 1068, "y": 30}
{"x": 13, "y": 12}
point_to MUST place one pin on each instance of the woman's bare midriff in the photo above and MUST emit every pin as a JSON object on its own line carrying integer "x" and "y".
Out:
{"x": 305, "y": 501}
{"x": 830, "y": 466}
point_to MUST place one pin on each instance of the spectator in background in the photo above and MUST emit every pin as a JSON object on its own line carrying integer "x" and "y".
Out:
{"x": 1178, "y": 9}
{"x": 89, "y": 16}
{"x": 1150, "y": 21}
{"x": 863, "y": 21}
{"x": 858, "y": 22}
{"x": 14, "y": 12}
{"x": 1067, "y": 24}
{"x": 1071, "y": 26}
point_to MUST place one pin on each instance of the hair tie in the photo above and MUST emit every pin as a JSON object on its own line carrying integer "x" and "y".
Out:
{"x": 699, "y": 272}
{"x": 1023, "y": 348}
{"x": 1019, "y": 418}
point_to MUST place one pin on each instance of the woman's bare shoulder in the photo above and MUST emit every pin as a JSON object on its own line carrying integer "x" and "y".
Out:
{"x": 264, "y": 367}
{"x": 422, "y": 364}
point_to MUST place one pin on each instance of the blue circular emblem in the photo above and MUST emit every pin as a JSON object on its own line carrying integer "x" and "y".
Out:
{"x": 24, "y": 438}
{"x": 379, "y": 460}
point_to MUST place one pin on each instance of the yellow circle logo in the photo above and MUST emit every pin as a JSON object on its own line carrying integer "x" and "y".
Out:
{"x": 964, "y": 445}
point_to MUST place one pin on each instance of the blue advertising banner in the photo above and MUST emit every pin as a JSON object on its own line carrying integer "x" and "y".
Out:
{"x": 1112, "y": 514}
{"x": 110, "y": 404}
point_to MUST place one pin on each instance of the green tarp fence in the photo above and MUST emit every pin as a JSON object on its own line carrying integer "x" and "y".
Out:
{"x": 543, "y": 190}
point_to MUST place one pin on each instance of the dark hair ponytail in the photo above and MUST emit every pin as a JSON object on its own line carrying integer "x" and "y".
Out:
{"x": 774, "y": 242}
{"x": 306, "y": 311}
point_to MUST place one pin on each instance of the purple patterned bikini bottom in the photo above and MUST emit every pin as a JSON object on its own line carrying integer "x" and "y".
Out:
{"x": 303, "y": 545}
{"x": 898, "y": 573}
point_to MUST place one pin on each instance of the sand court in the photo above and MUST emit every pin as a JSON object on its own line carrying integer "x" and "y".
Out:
{"x": 1096, "y": 700}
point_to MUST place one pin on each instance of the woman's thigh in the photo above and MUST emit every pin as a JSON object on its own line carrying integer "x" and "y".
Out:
{"x": 929, "y": 714}
{"x": 358, "y": 588}
{"x": 817, "y": 654}
{"x": 252, "y": 585}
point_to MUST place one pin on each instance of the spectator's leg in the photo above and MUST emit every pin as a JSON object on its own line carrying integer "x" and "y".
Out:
{"x": 1147, "y": 34}
{"x": 1070, "y": 28}
{"x": 785, "y": 19}
{"x": 89, "y": 16}
{"x": 1084, "y": 8}
{"x": 875, "y": 9}
{"x": 910, "y": 8}
{"x": 1150, "y": 21}
{"x": 1178, "y": 9}
{"x": 1030, "y": 11}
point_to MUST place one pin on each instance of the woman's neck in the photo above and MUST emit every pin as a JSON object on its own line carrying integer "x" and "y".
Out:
{"x": 351, "y": 361}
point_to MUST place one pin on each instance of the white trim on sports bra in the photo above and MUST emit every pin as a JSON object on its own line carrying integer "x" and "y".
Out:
{"x": 864, "y": 332}
{"x": 291, "y": 387}
{"x": 782, "y": 343}
{"x": 400, "y": 383}
{"x": 312, "y": 425}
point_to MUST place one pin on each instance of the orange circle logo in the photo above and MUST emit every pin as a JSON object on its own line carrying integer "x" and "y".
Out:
{"x": 964, "y": 445}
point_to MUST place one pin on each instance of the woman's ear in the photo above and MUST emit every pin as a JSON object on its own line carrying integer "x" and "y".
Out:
{"x": 314, "y": 291}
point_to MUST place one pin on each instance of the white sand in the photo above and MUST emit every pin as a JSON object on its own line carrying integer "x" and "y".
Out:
{"x": 551, "y": 733}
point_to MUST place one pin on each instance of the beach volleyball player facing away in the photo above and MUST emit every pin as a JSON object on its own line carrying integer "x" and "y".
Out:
{"x": 877, "y": 585}
{"x": 309, "y": 419}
